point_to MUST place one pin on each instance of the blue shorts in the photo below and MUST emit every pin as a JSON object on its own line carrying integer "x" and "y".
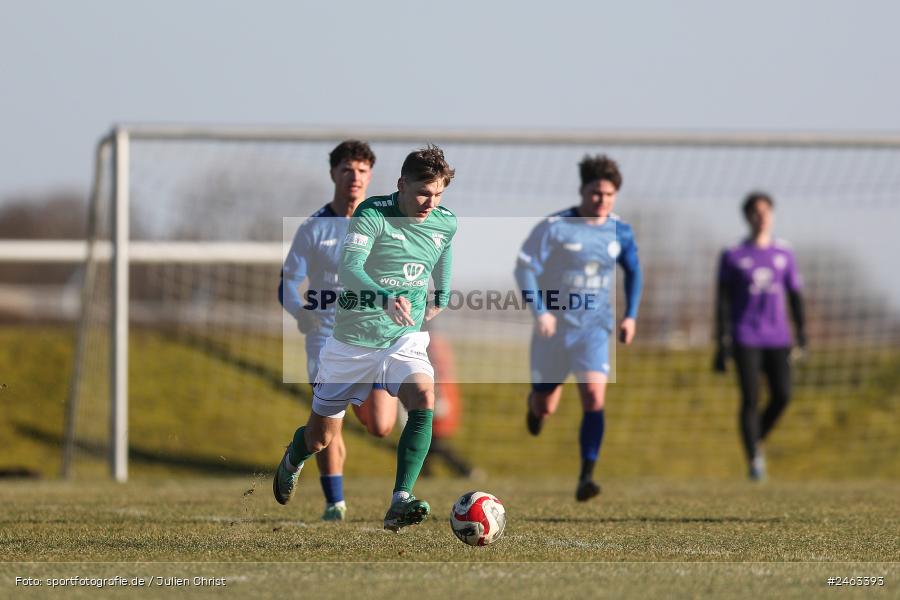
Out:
{"x": 572, "y": 351}
{"x": 314, "y": 343}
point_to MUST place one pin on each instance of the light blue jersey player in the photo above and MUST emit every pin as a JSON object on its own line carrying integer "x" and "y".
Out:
{"x": 565, "y": 271}
{"x": 315, "y": 256}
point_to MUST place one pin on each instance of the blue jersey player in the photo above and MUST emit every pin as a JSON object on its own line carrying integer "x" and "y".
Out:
{"x": 564, "y": 271}
{"x": 315, "y": 256}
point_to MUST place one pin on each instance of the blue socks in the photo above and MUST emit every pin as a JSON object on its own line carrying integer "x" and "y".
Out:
{"x": 591, "y": 436}
{"x": 332, "y": 487}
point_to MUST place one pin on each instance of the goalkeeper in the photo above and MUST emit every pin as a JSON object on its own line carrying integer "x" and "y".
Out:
{"x": 757, "y": 279}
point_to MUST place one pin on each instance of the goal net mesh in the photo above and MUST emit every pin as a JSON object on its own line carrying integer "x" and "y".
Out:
{"x": 210, "y": 347}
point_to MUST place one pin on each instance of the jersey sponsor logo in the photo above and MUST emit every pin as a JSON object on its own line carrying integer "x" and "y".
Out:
{"x": 327, "y": 243}
{"x": 437, "y": 238}
{"x": 398, "y": 236}
{"x": 614, "y": 248}
{"x": 588, "y": 282}
{"x": 383, "y": 203}
{"x": 573, "y": 246}
{"x": 411, "y": 274}
{"x": 412, "y": 271}
{"x": 356, "y": 239}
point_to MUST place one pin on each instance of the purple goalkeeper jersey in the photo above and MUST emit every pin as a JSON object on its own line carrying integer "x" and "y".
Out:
{"x": 757, "y": 280}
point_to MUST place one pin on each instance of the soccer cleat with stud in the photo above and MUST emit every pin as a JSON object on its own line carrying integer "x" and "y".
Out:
{"x": 335, "y": 512}
{"x": 284, "y": 482}
{"x": 404, "y": 513}
{"x": 586, "y": 490}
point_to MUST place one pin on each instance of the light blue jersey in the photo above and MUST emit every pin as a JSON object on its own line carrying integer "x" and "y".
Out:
{"x": 315, "y": 254}
{"x": 567, "y": 266}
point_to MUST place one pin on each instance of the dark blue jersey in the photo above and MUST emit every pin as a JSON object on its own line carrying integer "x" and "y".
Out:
{"x": 567, "y": 266}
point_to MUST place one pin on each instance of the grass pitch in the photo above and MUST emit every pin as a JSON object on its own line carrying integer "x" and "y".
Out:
{"x": 646, "y": 538}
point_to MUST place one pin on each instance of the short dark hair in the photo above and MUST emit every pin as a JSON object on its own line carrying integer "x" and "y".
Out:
{"x": 351, "y": 150}
{"x": 594, "y": 168}
{"x": 754, "y": 197}
{"x": 427, "y": 164}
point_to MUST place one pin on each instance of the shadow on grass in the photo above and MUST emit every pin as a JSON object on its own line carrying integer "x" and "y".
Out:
{"x": 136, "y": 454}
{"x": 654, "y": 519}
{"x": 271, "y": 376}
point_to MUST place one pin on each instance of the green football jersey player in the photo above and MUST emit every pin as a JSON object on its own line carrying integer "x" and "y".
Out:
{"x": 394, "y": 246}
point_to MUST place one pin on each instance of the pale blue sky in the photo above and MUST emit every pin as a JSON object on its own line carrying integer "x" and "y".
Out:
{"x": 71, "y": 69}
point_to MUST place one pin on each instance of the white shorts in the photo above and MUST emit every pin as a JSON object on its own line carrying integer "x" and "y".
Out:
{"x": 347, "y": 373}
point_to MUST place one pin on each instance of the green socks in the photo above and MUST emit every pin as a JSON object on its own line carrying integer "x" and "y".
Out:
{"x": 299, "y": 453}
{"x": 413, "y": 448}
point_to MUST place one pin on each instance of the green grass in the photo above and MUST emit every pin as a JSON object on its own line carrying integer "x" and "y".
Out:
{"x": 643, "y": 538}
{"x": 226, "y": 412}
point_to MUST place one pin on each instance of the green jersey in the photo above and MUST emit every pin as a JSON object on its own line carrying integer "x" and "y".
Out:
{"x": 388, "y": 254}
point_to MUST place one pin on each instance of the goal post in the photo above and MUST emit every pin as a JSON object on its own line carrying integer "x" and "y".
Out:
{"x": 186, "y": 242}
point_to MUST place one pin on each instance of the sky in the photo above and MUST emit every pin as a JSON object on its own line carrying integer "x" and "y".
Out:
{"x": 70, "y": 70}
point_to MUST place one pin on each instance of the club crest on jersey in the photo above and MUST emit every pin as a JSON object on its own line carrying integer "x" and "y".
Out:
{"x": 780, "y": 261}
{"x": 591, "y": 268}
{"x": 412, "y": 271}
{"x": 437, "y": 238}
{"x": 614, "y": 248}
{"x": 763, "y": 278}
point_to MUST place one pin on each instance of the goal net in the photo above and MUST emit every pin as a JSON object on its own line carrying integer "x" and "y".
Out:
{"x": 216, "y": 369}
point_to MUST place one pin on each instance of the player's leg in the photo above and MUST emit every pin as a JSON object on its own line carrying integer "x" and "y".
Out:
{"x": 308, "y": 440}
{"x": 543, "y": 400}
{"x": 592, "y": 389}
{"x": 331, "y": 478}
{"x": 331, "y": 460}
{"x": 378, "y": 413}
{"x": 342, "y": 376}
{"x": 407, "y": 363}
{"x": 588, "y": 354}
{"x": 549, "y": 368}
{"x": 777, "y": 367}
{"x": 747, "y": 362}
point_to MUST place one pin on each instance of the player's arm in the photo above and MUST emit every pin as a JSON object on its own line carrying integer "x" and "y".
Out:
{"x": 795, "y": 301}
{"x": 530, "y": 264}
{"x": 293, "y": 274}
{"x": 634, "y": 284}
{"x": 441, "y": 276}
{"x": 366, "y": 224}
{"x": 721, "y": 331}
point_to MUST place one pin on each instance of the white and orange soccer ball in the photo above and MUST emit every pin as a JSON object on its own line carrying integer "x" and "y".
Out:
{"x": 478, "y": 518}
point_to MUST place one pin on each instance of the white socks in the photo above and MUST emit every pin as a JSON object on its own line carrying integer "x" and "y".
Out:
{"x": 401, "y": 495}
{"x": 287, "y": 464}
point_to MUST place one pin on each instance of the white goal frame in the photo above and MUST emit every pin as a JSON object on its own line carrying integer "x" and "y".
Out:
{"x": 123, "y": 252}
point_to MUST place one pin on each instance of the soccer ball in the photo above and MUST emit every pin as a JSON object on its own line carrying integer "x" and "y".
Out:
{"x": 478, "y": 518}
